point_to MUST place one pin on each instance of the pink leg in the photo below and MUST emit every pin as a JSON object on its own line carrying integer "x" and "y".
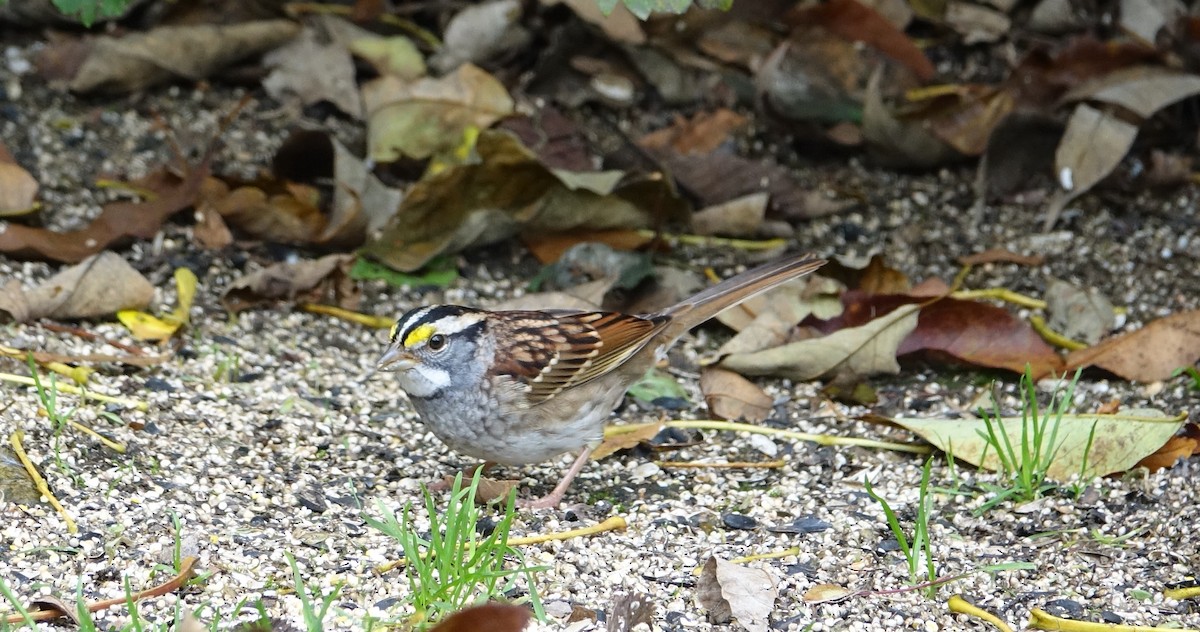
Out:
{"x": 552, "y": 499}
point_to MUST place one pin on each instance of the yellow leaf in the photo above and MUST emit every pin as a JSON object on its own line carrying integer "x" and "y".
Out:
{"x": 146, "y": 327}
{"x": 185, "y": 284}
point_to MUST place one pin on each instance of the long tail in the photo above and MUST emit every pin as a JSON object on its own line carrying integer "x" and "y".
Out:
{"x": 695, "y": 310}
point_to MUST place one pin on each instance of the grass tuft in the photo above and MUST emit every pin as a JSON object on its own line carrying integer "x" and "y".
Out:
{"x": 453, "y": 567}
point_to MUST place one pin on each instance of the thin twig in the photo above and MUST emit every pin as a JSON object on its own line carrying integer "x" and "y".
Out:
{"x": 186, "y": 568}
{"x": 821, "y": 439}
{"x": 39, "y": 482}
{"x": 86, "y": 394}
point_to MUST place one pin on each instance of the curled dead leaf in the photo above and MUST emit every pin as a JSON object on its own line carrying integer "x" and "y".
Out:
{"x": 191, "y": 52}
{"x": 18, "y": 189}
{"x": 98, "y": 286}
{"x": 731, "y": 396}
{"x": 729, "y": 591}
{"x": 324, "y": 280}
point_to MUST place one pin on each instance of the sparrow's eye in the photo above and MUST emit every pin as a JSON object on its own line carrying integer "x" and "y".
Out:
{"x": 436, "y": 342}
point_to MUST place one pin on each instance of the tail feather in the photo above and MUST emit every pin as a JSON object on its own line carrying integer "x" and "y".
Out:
{"x": 712, "y": 301}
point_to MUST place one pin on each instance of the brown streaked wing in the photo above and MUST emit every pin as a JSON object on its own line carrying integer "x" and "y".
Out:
{"x": 585, "y": 345}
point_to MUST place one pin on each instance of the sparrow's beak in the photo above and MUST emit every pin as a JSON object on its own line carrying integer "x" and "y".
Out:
{"x": 395, "y": 359}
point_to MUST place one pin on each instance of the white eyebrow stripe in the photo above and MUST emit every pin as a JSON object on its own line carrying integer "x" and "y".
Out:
{"x": 405, "y": 324}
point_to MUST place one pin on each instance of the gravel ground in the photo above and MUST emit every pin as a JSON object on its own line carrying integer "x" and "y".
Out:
{"x": 260, "y": 439}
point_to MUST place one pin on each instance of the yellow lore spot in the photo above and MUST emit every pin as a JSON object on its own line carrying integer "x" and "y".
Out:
{"x": 392, "y": 332}
{"x": 418, "y": 335}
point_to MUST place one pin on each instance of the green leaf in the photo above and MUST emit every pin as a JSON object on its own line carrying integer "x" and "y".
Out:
{"x": 657, "y": 384}
{"x": 1120, "y": 440}
{"x": 439, "y": 272}
{"x": 87, "y": 10}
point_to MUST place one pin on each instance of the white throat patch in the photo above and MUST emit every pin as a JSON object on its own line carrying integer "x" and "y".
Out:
{"x": 423, "y": 380}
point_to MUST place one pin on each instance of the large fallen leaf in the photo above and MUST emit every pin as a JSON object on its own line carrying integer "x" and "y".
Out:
{"x": 99, "y": 286}
{"x": 846, "y": 354}
{"x": 982, "y": 335}
{"x": 192, "y": 52}
{"x": 18, "y": 189}
{"x": 731, "y": 396}
{"x": 729, "y": 591}
{"x": 149, "y": 327}
{"x": 118, "y": 221}
{"x": 1120, "y": 440}
{"x": 324, "y": 280}
{"x": 509, "y": 191}
{"x": 1149, "y": 354}
{"x": 429, "y": 116}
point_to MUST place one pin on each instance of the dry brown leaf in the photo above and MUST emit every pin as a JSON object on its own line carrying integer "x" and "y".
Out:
{"x": 291, "y": 216}
{"x": 18, "y": 189}
{"x": 739, "y": 217}
{"x": 876, "y": 277}
{"x": 701, "y": 134}
{"x": 731, "y": 396}
{"x": 846, "y": 354}
{"x": 315, "y": 66}
{"x": 118, "y": 221}
{"x": 324, "y": 280}
{"x": 508, "y": 192}
{"x": 625, "y": 440}
{"x": 492, "y": 489}
{"x": 729, "y": 591}
{"x": 1149, "y": 354}
{"x": 492, "y": 617}
{"x": 549, "y": 247}
{"x": 1176, "y": 448}
{"x": 192, "y": 52}
{"x": 99, "y": 286}
{"x": 827, "y": 593}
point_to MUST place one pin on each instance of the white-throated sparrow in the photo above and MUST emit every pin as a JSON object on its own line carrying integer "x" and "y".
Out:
{"x": 516, "y": 387}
